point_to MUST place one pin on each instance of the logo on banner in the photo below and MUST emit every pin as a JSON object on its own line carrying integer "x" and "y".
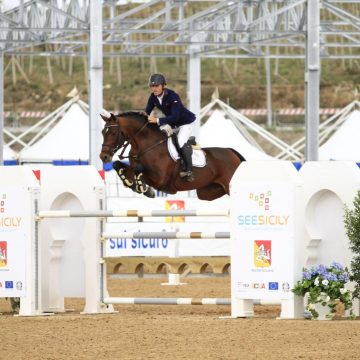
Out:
{"x": 262, "y": 199}
{"x": 8, "y": 221}
{"x": 273, "y": 285}
{"x": 9, "y": 284}
{"x": 262, "y": 253}
{"x": 175, "y": 205}
{"x": 19, "y": 285}
{"x": 264, "y": 214}
{"x": 3, "y": 253}
{"x": 285, "y": 286}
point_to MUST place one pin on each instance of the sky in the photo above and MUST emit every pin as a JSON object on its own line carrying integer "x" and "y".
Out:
{"x": 9, "y": 4}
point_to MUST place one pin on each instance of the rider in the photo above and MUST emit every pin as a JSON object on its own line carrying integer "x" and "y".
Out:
{"x": 176, "y": 115}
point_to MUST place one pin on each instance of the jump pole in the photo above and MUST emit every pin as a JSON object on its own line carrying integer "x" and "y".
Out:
{"x": 128, "y": 213}
{"x": 179, "y": 301}
{"x": 168, "y": 235}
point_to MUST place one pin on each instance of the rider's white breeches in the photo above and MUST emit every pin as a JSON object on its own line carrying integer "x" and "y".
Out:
{"x": 185, "y": 131}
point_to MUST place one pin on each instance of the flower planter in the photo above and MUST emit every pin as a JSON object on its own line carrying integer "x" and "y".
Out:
{"x": 323, "y": 310}
{"x": 324, "y": 288}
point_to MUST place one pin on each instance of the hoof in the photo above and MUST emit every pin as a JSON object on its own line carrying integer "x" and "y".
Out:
{"x": 150, "y": 193}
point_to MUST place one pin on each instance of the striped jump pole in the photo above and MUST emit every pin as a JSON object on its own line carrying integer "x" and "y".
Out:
{"x": 127, "y": 213}
{"x": 167, "y": 235}
{"x": 166, "y": 301}
{"x": 178, "y": 301}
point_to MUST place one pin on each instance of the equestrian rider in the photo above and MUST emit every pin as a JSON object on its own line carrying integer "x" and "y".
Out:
{"x": 176, "y": 115}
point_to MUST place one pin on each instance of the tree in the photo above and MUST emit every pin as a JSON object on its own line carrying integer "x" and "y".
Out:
{"x": 352, "y": 227}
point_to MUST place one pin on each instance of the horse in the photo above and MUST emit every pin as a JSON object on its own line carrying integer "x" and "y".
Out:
{"x": 151, "y": 164}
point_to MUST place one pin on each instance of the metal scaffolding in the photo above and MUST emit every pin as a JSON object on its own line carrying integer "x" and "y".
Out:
{"x": 194, "y": 29}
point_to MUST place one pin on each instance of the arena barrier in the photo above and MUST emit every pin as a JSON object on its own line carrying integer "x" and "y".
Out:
{"x": 281, "y": 220}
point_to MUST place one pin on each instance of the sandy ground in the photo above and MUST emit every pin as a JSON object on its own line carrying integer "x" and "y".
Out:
{"x": 173, "y": 331}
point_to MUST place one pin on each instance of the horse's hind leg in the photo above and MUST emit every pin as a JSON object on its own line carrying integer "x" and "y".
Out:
{"x": 210, "y": 192}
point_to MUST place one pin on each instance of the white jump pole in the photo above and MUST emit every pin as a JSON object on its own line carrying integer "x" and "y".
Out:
{"x": 129, "y": 213}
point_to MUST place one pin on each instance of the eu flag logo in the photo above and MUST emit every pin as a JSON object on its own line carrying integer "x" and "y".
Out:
{"x": 9, "y": 284}
{"x": 273, "y": 286}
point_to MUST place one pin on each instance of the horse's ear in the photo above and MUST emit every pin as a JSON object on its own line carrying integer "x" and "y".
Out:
{"x": 105, "y": 115}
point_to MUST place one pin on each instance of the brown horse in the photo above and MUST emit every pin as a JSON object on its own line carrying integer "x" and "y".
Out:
{"x": 151, "y": 164}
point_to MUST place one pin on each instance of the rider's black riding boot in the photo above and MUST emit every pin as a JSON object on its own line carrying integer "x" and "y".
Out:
{"x": 186, "y": 152}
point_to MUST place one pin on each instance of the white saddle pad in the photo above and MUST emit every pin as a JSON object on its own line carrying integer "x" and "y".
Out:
{"x": 198, "y": 156}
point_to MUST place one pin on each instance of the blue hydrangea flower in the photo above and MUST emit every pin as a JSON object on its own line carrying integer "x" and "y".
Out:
{"x": 344, "y": 277}
{"x": 320, "y": 269}
{"x": 307, "y": 275}
{"x": 330, "y": 276}
{"x": 335, "y": 265}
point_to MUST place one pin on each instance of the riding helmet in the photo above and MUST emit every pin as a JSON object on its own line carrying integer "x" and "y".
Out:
{"x": 157, "y": 79}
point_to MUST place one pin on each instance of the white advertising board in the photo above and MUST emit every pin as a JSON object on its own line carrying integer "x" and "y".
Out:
{"x": 263, "y": 247}
{"x": 12, "y": 242}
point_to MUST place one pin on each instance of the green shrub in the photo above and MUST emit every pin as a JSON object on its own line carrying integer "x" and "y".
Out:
{"x": 352, "y": 226}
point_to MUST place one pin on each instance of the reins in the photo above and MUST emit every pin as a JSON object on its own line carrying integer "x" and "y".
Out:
{"x": 127, "y": 142}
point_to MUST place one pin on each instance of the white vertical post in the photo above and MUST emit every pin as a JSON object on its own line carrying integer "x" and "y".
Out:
{"x": 269, "y": 122}
{"x": 312, "y": 80}
{"x": 95, "y": 81}
{"x": 194, "y": 87}
{"x": 1, "y": 108}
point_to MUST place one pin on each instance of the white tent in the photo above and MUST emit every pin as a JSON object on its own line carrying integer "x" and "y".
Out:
{"x": 327, "y": 130}
{"x": 219, "y": 131}
{"x": 68, "y": 140}
{"x": 247, "y": 127}
{"x": 344, "y": 144}
{"x": 9, "y": 155}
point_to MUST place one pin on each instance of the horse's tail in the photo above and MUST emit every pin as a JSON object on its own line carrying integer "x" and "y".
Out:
{"x": 238, "y": 155}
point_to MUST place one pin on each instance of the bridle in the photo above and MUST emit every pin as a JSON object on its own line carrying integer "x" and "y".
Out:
{"x": 127, "y": 141}
{"x": 111, "y": 148}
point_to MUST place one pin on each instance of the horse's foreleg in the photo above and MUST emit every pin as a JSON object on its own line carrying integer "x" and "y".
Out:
{"x": 123, "y": 172}
{"x": 141, "y": 186}
{"x": 134, "y": 181}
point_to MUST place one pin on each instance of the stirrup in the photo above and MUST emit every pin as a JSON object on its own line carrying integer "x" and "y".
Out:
{"x": 187, "y": 175}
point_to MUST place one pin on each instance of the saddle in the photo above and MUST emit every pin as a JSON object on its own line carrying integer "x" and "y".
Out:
{"x": 198, "y": 156}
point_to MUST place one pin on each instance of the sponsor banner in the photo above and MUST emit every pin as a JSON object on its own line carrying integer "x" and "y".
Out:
{"x": 264, "y": 241}
{"x": 12, "y": 242}
{"x": 166, "y": 247}
{"x": 117, "y": 247}
{"x": 175, "y": 205}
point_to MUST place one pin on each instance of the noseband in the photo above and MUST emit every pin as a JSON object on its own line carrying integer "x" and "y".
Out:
{"x": 111, "y": 148}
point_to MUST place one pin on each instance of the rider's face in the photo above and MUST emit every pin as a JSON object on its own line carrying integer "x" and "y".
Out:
{"x": 157, "y": 90}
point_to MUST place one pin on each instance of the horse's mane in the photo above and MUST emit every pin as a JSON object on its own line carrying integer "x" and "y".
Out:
{"x": 133, "y": 113}
{"x": 138, "y": 115}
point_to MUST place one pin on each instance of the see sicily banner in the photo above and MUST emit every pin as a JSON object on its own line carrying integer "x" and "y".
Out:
{"x": 12, "y": 242}
{"x": 264, "y": 239}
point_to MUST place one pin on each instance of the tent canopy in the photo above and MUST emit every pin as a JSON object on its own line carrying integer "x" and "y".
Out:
{"x": 344, "y": 144}
{"x": 8, "y": 153}
{"x": 221, "y": 132}
{"x": 68, "y": 140}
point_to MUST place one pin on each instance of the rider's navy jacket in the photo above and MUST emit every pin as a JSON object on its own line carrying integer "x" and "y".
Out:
{"x": 176, "y": 114}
